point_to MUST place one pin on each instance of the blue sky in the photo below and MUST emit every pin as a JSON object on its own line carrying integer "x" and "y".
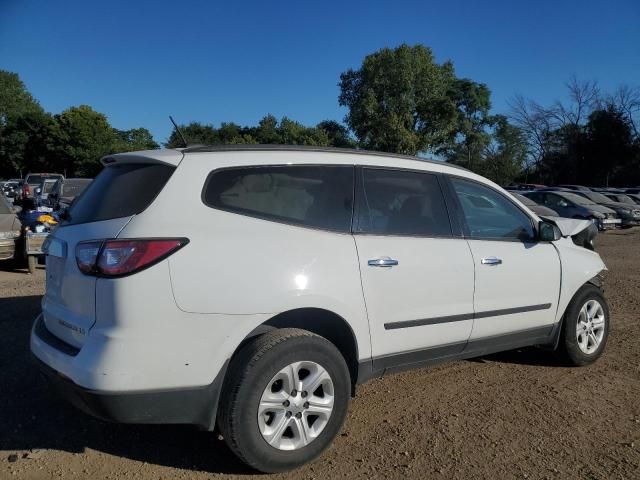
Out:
{"x": 138, "y": 61}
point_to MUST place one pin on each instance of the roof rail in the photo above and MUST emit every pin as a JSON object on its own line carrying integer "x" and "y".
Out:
{"x": 307, "y": 148}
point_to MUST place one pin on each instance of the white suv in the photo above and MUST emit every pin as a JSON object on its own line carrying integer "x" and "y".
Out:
{"x": 253, "y": 288}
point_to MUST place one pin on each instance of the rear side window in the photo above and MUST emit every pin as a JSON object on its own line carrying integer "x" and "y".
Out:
{"x": 310, "y": 196}
{"x": 394, "y": 202}
{"x": 120, "y": 190}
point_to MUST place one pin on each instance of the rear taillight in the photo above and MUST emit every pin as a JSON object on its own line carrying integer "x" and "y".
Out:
{"x": 116, "y": 258}
{"x": 26, "y": 189}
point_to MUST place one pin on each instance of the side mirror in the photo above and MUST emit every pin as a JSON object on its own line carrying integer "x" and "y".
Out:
{"x": 548, "y": 232}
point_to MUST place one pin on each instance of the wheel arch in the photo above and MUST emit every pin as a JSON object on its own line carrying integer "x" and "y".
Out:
{"x": 322, "y": 322}
{"x": 596, "y": 281}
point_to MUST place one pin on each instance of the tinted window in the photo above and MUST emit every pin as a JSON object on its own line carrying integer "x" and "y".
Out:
{"x": 312, "y": 196}
{"x": 489, "y": 214}
{"x": 120, "y": 190}
{"x": 394, "y": 202}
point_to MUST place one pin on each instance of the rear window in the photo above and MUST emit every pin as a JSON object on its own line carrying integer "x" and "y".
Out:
{"x": 310, "y": 196}
{"x": 120, "y": 190}
{"x": 38, "y": 179}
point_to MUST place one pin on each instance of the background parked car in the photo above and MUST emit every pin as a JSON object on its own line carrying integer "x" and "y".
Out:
{"x": 624, "y": 198}
{"x": 33, "y": 181}
{"x": 10, "y": 188}
{"x": 629, "y": 214}
{"x": 66, "y": 190}
{"x": 534, "y": 207}
{"x": 10, "y": 227}
{"x": 571, "y": 205}
{"x": 42, "y": 192}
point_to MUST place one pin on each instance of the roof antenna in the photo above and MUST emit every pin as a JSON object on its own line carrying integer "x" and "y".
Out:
{"x": 184, "y": 140}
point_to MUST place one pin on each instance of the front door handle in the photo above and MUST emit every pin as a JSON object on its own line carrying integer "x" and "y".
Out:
{"x": 491, "y": 261}
{"x": 382, "y": 262}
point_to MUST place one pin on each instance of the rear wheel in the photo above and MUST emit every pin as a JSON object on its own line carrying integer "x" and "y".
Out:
{"x": 285, "y": 399}
{"x": 586, "y": 327}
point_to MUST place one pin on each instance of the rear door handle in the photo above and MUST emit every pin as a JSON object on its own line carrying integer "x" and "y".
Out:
{"x": 491, "y": 261}
{"x": 382, "y": 262}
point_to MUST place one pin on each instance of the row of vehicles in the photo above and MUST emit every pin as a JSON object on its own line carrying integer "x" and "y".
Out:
{"x": 29, "y": 209}
{"x": 607, "y": 208}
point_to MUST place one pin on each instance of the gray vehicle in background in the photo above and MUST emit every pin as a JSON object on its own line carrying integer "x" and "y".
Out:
{"x": 534, "y": 207}
{"x": 629, "y": 214}
{"x": 66, "y": 190}
{"x": 572, "y": 205}
{"x": 626, "y": 198}
{"x": 33, "y": 181}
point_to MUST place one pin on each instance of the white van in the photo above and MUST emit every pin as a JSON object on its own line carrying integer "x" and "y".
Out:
{"x": 253, "y": 287}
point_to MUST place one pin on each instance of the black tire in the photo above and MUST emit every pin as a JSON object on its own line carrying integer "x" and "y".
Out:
{"x": 250, "y": 373}
{"x": 32, "y": 263}
{"x": 568, "y": 347}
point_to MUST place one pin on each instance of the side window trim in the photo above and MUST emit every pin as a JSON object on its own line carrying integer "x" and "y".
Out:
{"x": 463, "y": 220}
{"x": 359, "y": 192}
{"x": 272, "y": 219}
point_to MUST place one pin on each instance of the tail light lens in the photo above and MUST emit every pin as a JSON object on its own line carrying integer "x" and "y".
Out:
{"x": 26, "y": 189}
{"x": 116, "y": 258}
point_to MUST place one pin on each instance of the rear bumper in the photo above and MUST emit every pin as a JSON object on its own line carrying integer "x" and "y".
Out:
{"x": 193, "y": 405}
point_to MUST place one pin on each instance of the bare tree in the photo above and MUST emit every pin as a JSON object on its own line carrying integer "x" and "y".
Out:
{"x": 584, "y": 97}
{"x": 536, "y": 122}
{"x": 626, "y": 99}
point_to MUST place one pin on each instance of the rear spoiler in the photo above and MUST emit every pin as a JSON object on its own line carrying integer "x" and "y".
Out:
{"x": 166, "y": 156}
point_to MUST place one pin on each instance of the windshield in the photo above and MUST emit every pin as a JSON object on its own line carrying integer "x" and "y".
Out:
{"x": 527, "y": 201}
{"x": 625, "y": 199}
{"x": 598, "y": 197}
{"x": 579, "y": 199}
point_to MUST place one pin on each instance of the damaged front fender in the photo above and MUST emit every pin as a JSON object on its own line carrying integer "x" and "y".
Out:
{"x": 582, "y": 232}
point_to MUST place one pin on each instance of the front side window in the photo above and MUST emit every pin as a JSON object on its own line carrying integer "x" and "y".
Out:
{"x": 394, "y": 202}
{"x": 490, "y": 215}
{"x": 310, "y": 196}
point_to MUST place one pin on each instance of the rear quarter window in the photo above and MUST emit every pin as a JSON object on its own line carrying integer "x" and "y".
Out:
{"x": 309, "y": 196}
{"x": 120, "y": 190}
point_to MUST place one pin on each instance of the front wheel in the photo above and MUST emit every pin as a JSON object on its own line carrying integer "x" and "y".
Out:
{"x": 284, "y": 400}
{"x": 586, "y": 327}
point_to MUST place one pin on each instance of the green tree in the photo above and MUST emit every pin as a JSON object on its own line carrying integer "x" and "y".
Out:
{"x": 467, "y": 142}
{"x": 21, "y": 122}
{"x": 399, "y": 101}
{"x": 507, "y": 153}
{"x": 337, "y": 133}
{"x": 80, "y": 137}
{"x": 134, "y": 139}
{"x": 195, "y": 133}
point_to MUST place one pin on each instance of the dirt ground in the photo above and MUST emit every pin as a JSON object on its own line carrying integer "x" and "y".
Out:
{"x": 512, "y": 415}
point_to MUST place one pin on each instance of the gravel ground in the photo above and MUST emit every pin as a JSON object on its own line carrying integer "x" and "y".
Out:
{"x": 511, "y": 415}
